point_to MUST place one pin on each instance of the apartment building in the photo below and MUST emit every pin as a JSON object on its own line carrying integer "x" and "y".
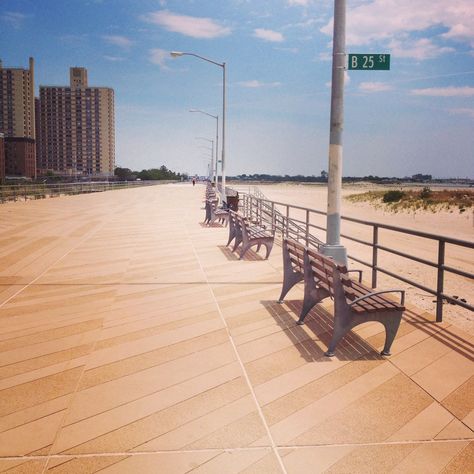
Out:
{"x": 17, "y": 119}
{"x": 76, "y": 128}
{"x": 2, "y": 157}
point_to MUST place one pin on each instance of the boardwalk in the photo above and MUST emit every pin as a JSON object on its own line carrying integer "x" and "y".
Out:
{"x": 133, "y": 341}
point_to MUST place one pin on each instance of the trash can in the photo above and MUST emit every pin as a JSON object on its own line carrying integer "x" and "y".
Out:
{"x": 232, "y": 199}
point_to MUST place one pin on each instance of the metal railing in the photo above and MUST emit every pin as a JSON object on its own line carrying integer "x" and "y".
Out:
{"x": 279, "y": 216}
{"x": 17, "y": 192}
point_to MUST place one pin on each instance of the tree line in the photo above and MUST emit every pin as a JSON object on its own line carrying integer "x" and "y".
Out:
{"x": 152, "y": 174}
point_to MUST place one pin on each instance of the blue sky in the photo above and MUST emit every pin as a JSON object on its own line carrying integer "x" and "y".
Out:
{"x": 416, "y": 118}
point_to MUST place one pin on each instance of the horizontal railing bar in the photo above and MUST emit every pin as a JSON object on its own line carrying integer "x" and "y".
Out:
{"x": 406, "y": 280}
{"x": 410, "y": 257}
{"x": 394, "y": 275}
{"x": 457, "y": 302}
{"x": 458, "y": 272}
{"x": 360, "y": 261}
{"x": 354, "y": 239}
{"x": 416, "y": 233}
{"x": 449, "y": 240}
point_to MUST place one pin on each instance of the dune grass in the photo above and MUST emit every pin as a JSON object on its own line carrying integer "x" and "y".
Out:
{"x": 426, "y": 199}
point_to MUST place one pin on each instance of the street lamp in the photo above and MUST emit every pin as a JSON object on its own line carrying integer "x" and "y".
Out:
{"x": 217, "y": 140}
{"x": 211, "y": 170}
{"x": 333, "y": 245}
{"x": 177, "y": 54}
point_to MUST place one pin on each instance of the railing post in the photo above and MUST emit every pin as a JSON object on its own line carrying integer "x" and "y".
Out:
{"x": 375, "y": 241}
{"x": 307, "y": 228}
{"x": 273, "y": 216}
{"x": 440, "y": 286}
{"x": 287, "y": 219}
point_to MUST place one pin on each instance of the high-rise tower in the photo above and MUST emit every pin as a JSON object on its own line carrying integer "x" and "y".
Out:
{"x": 77, "y": 128}
{"x": 17, "y": 119}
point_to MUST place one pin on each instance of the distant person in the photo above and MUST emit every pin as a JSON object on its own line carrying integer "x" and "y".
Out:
{"x": 194, "y": 181}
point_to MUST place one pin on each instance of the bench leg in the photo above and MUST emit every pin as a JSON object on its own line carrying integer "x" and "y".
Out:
{"x": 337, "y": 336}
{"x": 289, "y": 281}
{"x": 391, "y": 323}
{"x": 243, "y": 250}
{"x": 344, "y": 321}
{"x": 269, "y": 246}
{"x": 311, "y": 298}
{"x": 307, "y": 307}
{"x": 237, "y": 242}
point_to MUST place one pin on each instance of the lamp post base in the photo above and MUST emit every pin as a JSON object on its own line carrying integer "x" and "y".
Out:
{"x": 337, "y": 252}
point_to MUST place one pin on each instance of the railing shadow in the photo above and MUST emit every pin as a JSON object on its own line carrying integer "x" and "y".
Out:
{"x": 445, "y": 335}
{"x": 320, "y": 323}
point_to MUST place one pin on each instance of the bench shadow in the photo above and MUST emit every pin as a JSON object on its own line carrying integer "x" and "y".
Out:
{"x": 320, "y": 323}
{"x": 250, "y": 255}
{"x": 214, "y": 224}
{"x": 228, "y": 254}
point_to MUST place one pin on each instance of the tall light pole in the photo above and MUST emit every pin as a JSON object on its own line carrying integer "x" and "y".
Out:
{"x": 217, "y": 141}
{"x": 211, "y": 170}
{"x": 176, "y": 54}
{"x": 333, "y": 245}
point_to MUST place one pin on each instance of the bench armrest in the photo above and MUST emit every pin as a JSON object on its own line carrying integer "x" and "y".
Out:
{"x": 357, "y": 271}
{"x": 375, "y": 293}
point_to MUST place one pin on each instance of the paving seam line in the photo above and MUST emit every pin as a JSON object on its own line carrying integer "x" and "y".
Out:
{"x": 239, "y": 360}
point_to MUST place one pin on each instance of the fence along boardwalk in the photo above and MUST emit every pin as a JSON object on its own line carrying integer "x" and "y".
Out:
{"x": 129, "y": 342}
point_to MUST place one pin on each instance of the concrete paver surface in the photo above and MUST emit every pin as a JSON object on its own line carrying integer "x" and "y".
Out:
{"x": 133, "y": 340}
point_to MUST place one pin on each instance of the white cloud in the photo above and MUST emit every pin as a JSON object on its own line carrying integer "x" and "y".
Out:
{"x": 75, "y": 41}
{"x": 420, "y": 49}
{"x": 117, "y": 40}
{"x": 288, "y": 50}
{"x": 196, "y": 27}
{"x": 254, "y": 84}
{"x": 462, "y": 111}
{"x": 325, "y": 56}
{"x": 445, "y": 91}
{"x": 159, "y": 56}
{"x": 384, "y": 20}
{"x": 268, "y": 35}
{"x": 374, "y": 87}
{"x": 114, "y": 58}
{"x": 14, "y": 19}
{"x": 347, "y": 80}
{"x": 301, "y": 3}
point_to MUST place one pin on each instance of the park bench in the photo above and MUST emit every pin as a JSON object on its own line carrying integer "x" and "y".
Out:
{"x": 354, "y": 303}
{"x": 293, "y": 269}
{"x": 248, "y": 235}
{"x": 214, "y": 213}
{"x": 207, "y": 207}
{"x": 232, "y": 228}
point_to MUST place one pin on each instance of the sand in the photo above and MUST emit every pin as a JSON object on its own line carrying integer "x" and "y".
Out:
{"x": 451, "y": 224}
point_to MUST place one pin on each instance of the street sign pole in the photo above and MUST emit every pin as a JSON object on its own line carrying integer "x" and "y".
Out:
{"x": 333, "y": 245}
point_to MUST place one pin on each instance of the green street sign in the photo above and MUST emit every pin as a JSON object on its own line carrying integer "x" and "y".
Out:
{"x": 369, "y": 62}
